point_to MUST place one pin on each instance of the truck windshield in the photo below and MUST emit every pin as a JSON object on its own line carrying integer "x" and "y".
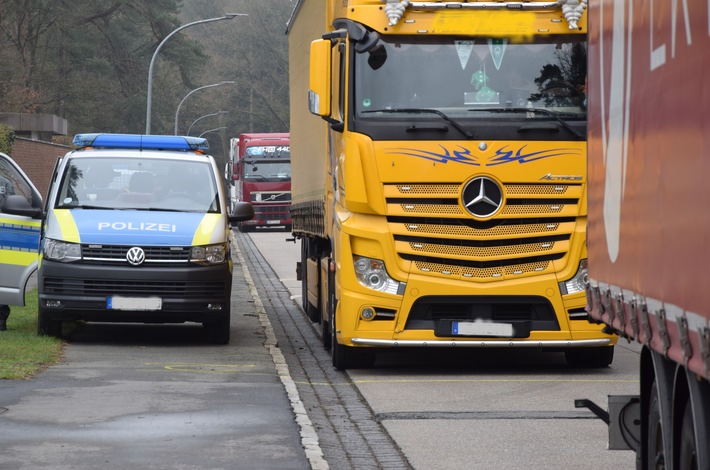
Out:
{"x": 267, "y": 170}
{"x": 138, "y": 183}
{"x": 472, "y": 82}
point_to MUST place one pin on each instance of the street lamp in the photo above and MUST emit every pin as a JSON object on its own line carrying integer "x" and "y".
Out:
{"x": 177, "y": 111}
{"x": 228, "y": 16}
{"x": 212, "y": 130}
{"x": 202, "y": 117}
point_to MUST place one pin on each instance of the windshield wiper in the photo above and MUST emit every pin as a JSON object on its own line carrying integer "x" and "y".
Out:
{"x": 446, "y": 118}
{"x": 85, "y": 206}
{"x": 544, "y": 111}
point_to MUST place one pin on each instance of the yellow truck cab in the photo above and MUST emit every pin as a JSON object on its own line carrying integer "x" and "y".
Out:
{"x": 137, "y": 230}
{"x": 20, "y": 213}
{"x": 439, "y": 190}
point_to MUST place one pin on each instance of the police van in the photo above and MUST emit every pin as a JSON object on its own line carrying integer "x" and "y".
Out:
{"x": 136, "y": 229}
{"x": 20, "y": 214}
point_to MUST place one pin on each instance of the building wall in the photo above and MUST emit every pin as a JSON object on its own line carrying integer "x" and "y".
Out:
{"x": 37, "y": 160}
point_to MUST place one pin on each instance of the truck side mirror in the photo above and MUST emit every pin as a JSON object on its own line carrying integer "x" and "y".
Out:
{"x": 319, "y": 94}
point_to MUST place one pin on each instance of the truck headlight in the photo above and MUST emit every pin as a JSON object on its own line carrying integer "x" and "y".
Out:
{"x": 578, "y": 282}
{"x": 57, "y": 250}
{"x": 371, "y": 273}
{"x": 209, "y": 254}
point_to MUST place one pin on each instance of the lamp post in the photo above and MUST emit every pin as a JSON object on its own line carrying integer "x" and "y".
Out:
{"x": 177, "y": 111}
{"x": 212, "y": 130}
{"x": 202, "y": 117}
{"x": 228, "y": 16}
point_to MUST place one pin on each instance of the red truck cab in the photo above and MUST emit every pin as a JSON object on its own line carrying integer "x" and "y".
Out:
{"x": 262, "y": 176}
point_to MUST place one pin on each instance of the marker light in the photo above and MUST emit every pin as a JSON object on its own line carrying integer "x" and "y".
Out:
{"x": 141, "y": 142}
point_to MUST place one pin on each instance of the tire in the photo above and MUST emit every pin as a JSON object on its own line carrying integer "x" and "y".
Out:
{"x": 347, "y": 357}
{"x": 218, "y": 330}
{"x": 655, "y": 457}
{"x": 312, "y": 312}
{"x": 596, "y": 358}
{"x": 687, "y": 452}
{"x": 48, "y": 326}
{"x": 331, "y": 304}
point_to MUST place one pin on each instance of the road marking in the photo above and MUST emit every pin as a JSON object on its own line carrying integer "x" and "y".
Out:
{"x": 209, "y": 368}
{"x": 471, "y": 380}
{"x": 417, "y": 415}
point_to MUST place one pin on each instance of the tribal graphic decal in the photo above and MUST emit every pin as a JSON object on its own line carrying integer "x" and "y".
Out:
{"x": 502, "y": 155}
{"x": 459, "y": 156}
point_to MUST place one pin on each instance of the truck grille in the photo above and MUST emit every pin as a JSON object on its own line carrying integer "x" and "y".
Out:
{"x": 266, "y": 197}
{"x": 271, "y": 212}
{"x": 433, "y": 230}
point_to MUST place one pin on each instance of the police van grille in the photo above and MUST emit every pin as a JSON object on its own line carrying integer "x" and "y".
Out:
{"x": 116, "y": 254}
{"x": 432, "y": 229}
{"x": 106, "y": 287}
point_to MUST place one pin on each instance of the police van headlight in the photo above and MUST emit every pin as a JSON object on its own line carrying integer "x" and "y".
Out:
{"x": 57, "y": 250}
{"x": 209, "y": 254}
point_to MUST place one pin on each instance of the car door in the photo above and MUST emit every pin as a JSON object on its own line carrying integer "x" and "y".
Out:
{"x": 20, "y": 214}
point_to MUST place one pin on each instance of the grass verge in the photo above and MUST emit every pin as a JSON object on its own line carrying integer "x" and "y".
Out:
{"x": 23, "y": 353}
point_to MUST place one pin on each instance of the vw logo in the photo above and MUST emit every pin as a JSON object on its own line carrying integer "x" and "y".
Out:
{"x": 135, "y": 256}
{"x": 482, "y": 197}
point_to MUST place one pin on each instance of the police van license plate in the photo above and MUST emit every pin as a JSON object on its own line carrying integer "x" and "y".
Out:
{"x": 134, "y": 303}
{"x": 481, "y": 328}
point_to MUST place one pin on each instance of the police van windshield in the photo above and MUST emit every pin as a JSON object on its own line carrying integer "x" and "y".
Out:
{"x": 138, "y": 183}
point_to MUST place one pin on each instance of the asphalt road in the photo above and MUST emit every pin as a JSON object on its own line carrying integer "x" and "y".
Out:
{"x": 472, "y": 409}
{"x": 161, "y": 397}
{"x": 156, "y": 397}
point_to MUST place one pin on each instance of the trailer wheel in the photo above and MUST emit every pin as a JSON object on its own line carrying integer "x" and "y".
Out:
{"x": 311, "y": 311}
{"x": 654, "y": 442}
{"x": 590, "y": 357}
{"x": 687, "y": 453}
{"x": 48, "y": 326}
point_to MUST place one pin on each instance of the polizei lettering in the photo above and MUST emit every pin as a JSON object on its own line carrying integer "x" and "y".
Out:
{"x": 140, "y": 226}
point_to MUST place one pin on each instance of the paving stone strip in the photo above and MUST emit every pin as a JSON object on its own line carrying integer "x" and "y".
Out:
{"x": 348, "y": 432}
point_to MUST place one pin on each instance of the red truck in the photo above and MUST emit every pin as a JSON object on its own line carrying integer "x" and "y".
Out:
{"x": 260, "y": 173}
{"x": 648, "y": 227}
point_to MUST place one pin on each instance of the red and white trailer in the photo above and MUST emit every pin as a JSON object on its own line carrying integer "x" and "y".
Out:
{"x": 648, "y": 216}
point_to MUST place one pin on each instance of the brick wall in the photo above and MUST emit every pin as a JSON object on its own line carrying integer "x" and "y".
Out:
{"x": 37, "y": 160}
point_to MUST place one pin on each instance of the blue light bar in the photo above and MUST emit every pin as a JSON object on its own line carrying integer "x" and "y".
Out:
{"x": 141, "y": 142}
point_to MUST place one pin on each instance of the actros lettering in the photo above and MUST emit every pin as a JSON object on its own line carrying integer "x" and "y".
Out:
{"x": 141, "y": 226}
{"x": 550, "y": 177}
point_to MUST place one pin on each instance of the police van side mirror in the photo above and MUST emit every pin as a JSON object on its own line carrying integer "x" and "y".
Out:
{"x": 17, "y": 205}
{"x": 242, "y": 211}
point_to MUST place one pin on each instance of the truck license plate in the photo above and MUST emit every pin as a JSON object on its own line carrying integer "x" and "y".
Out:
{"x": 481, "y": 328}
{"x": 273, "y": 222}
{"x": 134, "y": 303}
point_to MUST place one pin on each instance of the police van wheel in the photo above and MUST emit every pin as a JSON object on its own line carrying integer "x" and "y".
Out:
{"x": 218, "y": 331}
{"x": 47, "y": 326}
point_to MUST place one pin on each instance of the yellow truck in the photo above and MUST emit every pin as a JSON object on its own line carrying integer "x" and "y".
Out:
{"x": 439, "y": 183}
